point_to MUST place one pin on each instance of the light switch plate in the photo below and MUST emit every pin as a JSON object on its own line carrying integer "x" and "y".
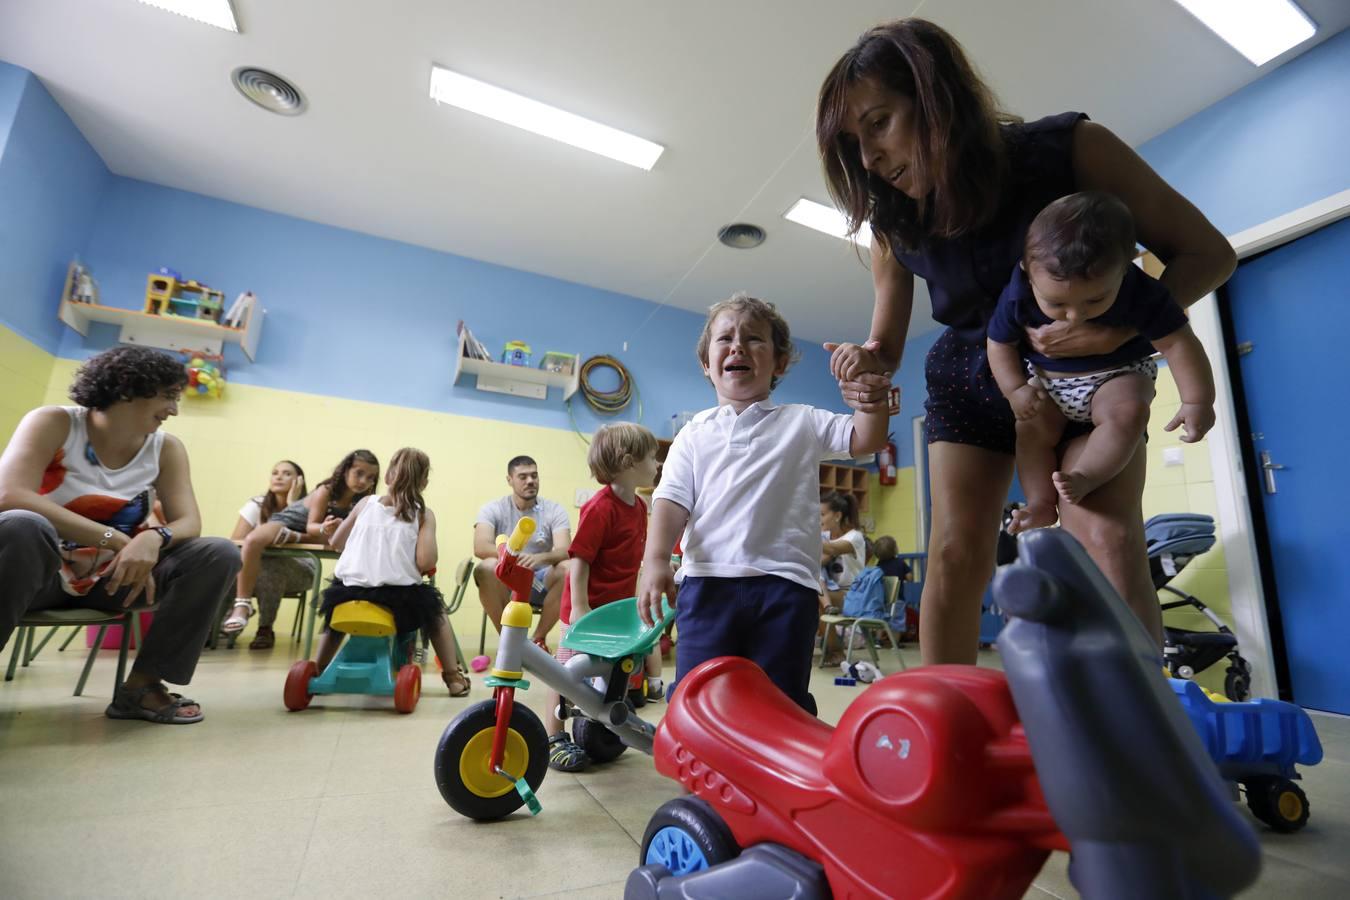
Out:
{"x": 1172, "y": 456}
{"x": 583, "y": 494}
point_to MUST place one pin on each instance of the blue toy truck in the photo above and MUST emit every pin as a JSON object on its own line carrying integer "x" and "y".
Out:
{"x": 1257, "y": 745}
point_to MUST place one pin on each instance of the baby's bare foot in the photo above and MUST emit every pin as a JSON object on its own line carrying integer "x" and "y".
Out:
{"x": 1033, "y": 515}
{"x": 1073, "y": 486}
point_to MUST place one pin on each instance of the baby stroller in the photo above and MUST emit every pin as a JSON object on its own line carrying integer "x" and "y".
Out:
{"x": 1173, "y": 540}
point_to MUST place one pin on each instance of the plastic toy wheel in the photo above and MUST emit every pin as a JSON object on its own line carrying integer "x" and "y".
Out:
{"x": 600, "y": 744}
{"x": 407, "y": 688}
{"x": 297, "y": 695}
{"x": 462, "y": 755}
{"x": 687, "y": 835}
{"x": 1237, "y": 684}
{"x": 1278, "y": 802}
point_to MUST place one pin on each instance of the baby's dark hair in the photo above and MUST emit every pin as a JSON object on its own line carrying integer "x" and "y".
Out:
{"x": 126, "y": 373}
{"x": 1083, "y": 235}
{"x": 409, "y": 472}
{"x": 844, "y": 504}
{"x": 886, "y": 548}
{"x": 337, "y": 482}
{"x": 762, "y": 310}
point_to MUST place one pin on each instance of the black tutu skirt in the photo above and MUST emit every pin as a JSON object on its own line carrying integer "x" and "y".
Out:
{"x": 415, "y": 606}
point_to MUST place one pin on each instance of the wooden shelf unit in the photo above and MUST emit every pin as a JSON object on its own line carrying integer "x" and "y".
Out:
{"x": 846, "y": 480}
{"x": 518, "y": 381}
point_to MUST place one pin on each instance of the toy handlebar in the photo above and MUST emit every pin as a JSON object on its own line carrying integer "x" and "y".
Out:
{"x": 520, "y": 536}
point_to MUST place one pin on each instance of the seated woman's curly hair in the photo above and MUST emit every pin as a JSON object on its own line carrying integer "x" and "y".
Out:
{"x": 126, "y": 373}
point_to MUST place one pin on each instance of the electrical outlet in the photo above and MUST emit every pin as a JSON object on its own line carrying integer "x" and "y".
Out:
{"x": 1172, "y": 456}
{"x": 583, "y": 494}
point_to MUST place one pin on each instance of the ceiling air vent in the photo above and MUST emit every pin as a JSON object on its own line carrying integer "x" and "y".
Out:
{"x": 741, "y": 235}
{"x": 269, "y": 90}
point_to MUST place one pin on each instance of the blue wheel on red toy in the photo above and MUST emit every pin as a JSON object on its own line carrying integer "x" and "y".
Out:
{"x": 687, "y": 835}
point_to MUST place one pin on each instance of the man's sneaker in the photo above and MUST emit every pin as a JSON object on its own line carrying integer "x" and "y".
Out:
{"x": 564, "y": 755}
{"x": 656, "y": 689}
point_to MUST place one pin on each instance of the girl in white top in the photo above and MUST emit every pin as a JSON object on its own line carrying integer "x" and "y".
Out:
{"x": 387, "y": 543}
{"x": 843, "y": 551}
{"x": 277, "y": 576}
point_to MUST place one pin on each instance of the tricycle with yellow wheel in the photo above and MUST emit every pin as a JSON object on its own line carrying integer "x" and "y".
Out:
{"x": 493, "y": 756}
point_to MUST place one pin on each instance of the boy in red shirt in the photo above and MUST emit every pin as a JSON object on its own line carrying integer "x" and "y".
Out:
{"x": 606, "y": 551}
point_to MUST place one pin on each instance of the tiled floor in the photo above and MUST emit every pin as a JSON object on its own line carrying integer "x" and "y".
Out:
{"x": 341, "y": 802}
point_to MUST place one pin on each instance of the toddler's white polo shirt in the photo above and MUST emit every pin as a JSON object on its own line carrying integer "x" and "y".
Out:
{"x": 751, "y": 483}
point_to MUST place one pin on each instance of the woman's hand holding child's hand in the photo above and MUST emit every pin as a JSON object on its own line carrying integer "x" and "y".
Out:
{"x": 657, "y": 580}
{"x": 864, "y": 383}
{"x": 1026, "y": 401}
{"x": 1198, "y": 419}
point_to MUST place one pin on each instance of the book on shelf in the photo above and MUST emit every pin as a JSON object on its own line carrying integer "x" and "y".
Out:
{"x": 473, "y": 348}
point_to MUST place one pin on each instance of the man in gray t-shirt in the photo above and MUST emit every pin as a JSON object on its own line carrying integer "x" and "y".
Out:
{"x": 546, "y": 551}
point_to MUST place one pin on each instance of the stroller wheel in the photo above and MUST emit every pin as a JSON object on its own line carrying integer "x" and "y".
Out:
{"x": 1237, "y": 684}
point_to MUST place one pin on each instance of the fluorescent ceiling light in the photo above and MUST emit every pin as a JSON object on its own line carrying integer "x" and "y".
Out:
{"x": 540, "y": 118}
{"x": 210, "y": 12}
{"x": 827, "y": 219}
{"x": 1258, "y": 29}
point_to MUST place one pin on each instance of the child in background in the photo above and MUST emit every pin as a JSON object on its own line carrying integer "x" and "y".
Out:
{"x": 277, "y": 575}
{"x": 843, "y": 551}
{"x": 606, "y": 553}
{"x": 887, "y": 551}
{"x": 1077, "y": 267}
{"x": 315, "y": 518}
{"x": 742, "y": 483}
{"x": 387, "y": 543}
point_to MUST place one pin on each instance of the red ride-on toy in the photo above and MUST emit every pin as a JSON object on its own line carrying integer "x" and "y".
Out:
{"x": 953, "y": 781}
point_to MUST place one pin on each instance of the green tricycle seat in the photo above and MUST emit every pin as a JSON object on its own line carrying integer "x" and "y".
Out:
{"x": 614, "y": 631}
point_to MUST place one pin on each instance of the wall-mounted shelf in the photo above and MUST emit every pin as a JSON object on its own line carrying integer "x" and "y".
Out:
{"x": 519, "y": 381}
{"x": 165, "y": 332}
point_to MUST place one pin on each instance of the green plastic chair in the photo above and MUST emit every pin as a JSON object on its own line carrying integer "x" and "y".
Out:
{"x": 30, "y": 622}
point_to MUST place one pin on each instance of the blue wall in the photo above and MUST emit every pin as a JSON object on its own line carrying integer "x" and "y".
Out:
{"x": 50, "y": 184}
{"x": 1278, "y": 144}
{"x": 365, "y": 318}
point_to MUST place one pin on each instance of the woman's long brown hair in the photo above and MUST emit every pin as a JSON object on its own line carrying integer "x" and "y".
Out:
{"x": 409, "y": 472}
{"x": 958, "y": 143}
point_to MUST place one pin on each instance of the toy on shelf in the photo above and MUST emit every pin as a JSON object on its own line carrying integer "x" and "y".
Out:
{"x": 168, "y": 295}
{"x": 516, "y": 353}
{"x": 1256, "y": 744}
{"x": 83, "y": 289}
{"x": 206, "y": 374}
{"x": 562, "y": 363}
{"x": 240, "y": 310}
{"x": 492, "y": 758}
{"x": 373, "y": 660}
{"x": 953, "y": 781}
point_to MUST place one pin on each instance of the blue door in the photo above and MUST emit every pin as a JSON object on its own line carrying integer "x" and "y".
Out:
{"x": 1288, "y": 314}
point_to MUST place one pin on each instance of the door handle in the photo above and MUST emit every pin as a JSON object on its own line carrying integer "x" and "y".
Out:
{"x": 1268, "y": 470}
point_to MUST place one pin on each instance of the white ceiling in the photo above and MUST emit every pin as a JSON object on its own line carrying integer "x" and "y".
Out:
{"x": 728, "y": 87}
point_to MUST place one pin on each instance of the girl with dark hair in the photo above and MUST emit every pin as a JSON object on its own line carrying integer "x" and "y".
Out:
{"x": 277, "y": 576}
{"x": 313, "y": 519}
{"x": 77, "y": 487}
{"x": 843, "y": 554}
{"x": 916, "y": 149}
{"x": 387, "y": 544}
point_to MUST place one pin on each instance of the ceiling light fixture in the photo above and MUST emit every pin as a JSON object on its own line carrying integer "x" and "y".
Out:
{"x": 211, "y": 12}
{"x": 540, "y": 118}
{"x": 826, "y": 219}
{"x": 1258, "y": 29}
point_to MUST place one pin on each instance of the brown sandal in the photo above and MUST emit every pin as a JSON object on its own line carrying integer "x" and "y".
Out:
{"x": 456, "y": 682}
{"x": 264, "y": 639}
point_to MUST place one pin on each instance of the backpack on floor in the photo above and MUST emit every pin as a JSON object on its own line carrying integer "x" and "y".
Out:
{"x": 866, "y": 597}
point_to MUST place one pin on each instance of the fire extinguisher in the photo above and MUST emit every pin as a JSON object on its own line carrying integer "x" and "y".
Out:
{"x": 886, "y": 461}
